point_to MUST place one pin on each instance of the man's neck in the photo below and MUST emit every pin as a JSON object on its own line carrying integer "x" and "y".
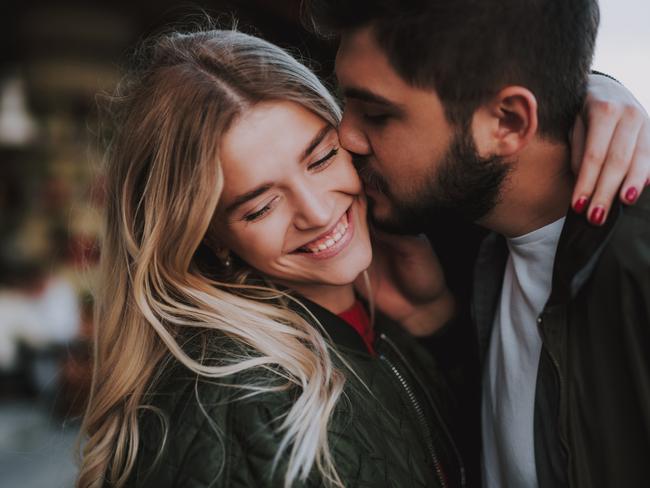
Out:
{"x": 537, "y": 192}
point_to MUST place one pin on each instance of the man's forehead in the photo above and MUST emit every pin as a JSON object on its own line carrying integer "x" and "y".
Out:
{"x": 360, "y": 62}
{"x": 358, "y": 45}
{"x": 358, "y": 37}
{"x": 365, "y": 73}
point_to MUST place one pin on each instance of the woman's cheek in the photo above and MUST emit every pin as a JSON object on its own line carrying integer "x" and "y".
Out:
{"x": 349, "y": 178}
{"x": 262, "y": 241}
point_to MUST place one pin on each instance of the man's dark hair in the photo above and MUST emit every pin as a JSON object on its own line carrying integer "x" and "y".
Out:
{"x": 467, "y": 50}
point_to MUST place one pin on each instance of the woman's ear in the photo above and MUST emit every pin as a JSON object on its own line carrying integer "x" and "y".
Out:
{"x": 221, "y": 252}
{"x": 506, "y": 123}
{"x": 215, "y": 244}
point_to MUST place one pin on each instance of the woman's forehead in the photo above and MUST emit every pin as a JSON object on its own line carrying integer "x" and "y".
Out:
{"x": 268, "y": 133}
{"x": 267, "y": 142}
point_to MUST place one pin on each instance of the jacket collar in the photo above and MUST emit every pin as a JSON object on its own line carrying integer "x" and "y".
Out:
{"x": 579, "y": 248}
{"x": 338, "y": 330}
{"x": 488, "y": 278}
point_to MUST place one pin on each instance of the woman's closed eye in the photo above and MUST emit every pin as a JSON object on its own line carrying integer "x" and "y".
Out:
{"x": 318, "y": 165}
{"x": 258, "y": 214}
{"x": 323, "y": 162}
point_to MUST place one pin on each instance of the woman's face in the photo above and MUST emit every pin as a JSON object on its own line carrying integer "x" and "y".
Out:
{"x": 292, "y": 206}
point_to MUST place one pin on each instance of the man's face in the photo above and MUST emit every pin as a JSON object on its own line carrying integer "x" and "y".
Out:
{"x": 412, "y": 160}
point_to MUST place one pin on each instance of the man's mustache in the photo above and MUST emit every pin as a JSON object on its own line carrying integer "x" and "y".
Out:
{"x": 370, "y": 178}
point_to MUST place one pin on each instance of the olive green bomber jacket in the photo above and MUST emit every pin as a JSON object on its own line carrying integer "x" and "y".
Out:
{"x": 398, "y": 436}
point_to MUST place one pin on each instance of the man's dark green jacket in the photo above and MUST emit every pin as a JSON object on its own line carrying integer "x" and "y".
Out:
{"x": 395, "y": 435}
{"x": 592, "y": 402}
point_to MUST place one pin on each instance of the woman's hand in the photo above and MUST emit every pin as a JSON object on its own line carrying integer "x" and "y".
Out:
{"x": 610, "y": 149}
{"x": 407, "y": 283}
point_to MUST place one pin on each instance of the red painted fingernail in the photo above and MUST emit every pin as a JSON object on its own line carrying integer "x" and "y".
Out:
{"x": 631, "y": 194}
{"x": 597, "y": 216}
{"x": 580, "y": 204}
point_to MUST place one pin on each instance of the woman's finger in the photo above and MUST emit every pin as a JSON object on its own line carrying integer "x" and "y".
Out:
{"x": 616, "y": 167}
{"x": 602, "y": 122}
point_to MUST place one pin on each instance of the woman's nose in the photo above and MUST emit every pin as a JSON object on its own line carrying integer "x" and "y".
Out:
{"x": 313, "y": 209}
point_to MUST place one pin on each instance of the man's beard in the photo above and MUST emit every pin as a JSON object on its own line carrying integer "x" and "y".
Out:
{"x": 462, "y": 184}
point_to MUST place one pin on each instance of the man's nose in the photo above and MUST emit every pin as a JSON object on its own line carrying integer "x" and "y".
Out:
{"x": 352, "y": 136}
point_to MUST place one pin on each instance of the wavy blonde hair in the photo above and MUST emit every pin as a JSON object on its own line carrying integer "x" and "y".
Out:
{"x": 164, "y": 182}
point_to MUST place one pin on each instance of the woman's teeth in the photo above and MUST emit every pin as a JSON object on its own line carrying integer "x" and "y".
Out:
{"x": 330, "y": 239}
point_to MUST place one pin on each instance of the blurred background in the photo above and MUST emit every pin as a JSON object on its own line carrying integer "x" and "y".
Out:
{"x": 55, "y": 57}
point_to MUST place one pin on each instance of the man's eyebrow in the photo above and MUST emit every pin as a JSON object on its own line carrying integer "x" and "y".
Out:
{"x": 367, "y": 96}
{"x": 241, "y": 199}
{"x": 316, "y": 140}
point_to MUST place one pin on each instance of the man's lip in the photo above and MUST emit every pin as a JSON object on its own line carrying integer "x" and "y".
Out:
{"x": 329, "y": 231}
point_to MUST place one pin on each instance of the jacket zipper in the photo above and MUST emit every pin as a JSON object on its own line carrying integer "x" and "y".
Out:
{"x": 426, "y": 429}
{"x": 421, "y": 416}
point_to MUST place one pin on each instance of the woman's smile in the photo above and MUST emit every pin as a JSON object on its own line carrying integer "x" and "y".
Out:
{"x": 332, "y": 242}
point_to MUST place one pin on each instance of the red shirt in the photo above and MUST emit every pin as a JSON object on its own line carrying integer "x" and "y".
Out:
{"x": 358, "y": 318}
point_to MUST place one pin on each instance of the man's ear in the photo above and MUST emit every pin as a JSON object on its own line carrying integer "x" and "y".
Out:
{"x": 506, "y": 123}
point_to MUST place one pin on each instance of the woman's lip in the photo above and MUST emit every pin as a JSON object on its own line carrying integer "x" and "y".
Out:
{"x": 338, "y": 246}
{"x": 327, "y": 232}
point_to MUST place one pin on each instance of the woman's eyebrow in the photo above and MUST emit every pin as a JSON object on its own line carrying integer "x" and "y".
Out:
{"x": 250, "y": 195}
{"x": 241, "y": 199}
{"x": 316, "y": 140}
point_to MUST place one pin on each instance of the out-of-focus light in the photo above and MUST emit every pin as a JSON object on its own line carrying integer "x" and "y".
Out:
{"x": 17, "y": 126}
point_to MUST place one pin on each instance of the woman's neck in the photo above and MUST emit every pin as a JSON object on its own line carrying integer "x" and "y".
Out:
{"x": 335, "y": 298}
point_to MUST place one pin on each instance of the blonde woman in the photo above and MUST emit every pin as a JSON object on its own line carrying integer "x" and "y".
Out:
{"x": 231, "y": 349}
{"x": 236, "y": 227}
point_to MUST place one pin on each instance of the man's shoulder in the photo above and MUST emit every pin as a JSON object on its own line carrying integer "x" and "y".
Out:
{"x": 639, "y": 213}
{"x": 588, "y": 252}
{"x": 629, "y": 244}
{"x": 621, "y": 270}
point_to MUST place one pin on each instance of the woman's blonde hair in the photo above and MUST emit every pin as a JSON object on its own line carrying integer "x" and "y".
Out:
{"x": 164, "y": 182}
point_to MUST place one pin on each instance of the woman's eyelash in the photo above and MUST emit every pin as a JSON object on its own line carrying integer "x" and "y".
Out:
{"x": 325, "y": 159}
{"x": 256, "y": 215}
{"x": 316, "y": 165}
{"x": 259, "y": 213}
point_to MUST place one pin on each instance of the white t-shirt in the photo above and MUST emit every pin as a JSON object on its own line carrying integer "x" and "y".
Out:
{"x": 512, "y": 359}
